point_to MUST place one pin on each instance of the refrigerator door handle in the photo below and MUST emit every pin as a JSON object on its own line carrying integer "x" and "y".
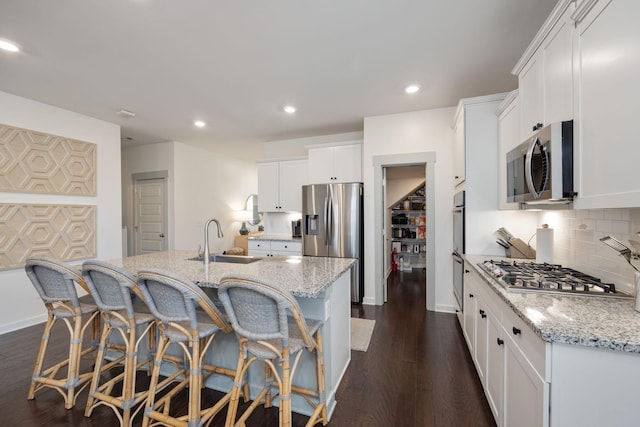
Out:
{"x": 326, "y": 220}
{"x": 330, "y": 221}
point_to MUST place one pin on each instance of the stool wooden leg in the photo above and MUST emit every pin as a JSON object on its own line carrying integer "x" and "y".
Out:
{"x": 75, "y": 348}
{"x": 37, "y": 370}
{"x": 321, "y": 378}
{"x": 232, "y": 409}
{"x": 162, "y": 347}
{"x": 285, "y": 391}
{"x": 95, "y": 381}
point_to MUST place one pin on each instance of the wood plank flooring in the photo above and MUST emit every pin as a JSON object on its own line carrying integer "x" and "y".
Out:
{"x": 417, "y": 372}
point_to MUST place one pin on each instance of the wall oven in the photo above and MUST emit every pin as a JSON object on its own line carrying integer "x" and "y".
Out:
{"x": 458, "y": 247}
{"x": 540, "y": 170}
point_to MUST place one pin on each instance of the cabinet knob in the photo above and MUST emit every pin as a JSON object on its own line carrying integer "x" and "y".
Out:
{"x": 516, "y": 331}
{"x": 500, "y": 341}
{"x": 456, "y": 177}
{"x": 470, "y": 295}
{"x": 482, "y": 314}
{"x": 466, "y": 271}
{"x": 537, "y": 126}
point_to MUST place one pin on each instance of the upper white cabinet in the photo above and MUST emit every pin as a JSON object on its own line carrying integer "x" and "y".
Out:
{"x": 331, "y": 164}
{"x": 459, "y": 161}
{"x": 545, "y": 73}
{"x": 607, "y": 63}
{"x": 508, "y": 139}
{"x": 280, "y": 185}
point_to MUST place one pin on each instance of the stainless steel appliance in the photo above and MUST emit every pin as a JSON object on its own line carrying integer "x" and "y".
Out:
{"x": 332, "y": 226}
{"x": 296, "y": 228}
{"x": 458, "y": 247}
{"x": 550, "y": 278}
{"x": 540, "y": 170}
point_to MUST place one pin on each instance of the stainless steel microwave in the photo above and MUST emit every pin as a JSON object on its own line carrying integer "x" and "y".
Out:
{"x": 540, "y": 170}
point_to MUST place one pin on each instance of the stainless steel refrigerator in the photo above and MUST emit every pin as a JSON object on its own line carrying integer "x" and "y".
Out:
{"x": 332, "y": 226}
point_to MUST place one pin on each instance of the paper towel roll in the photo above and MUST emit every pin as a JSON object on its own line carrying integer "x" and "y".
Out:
{"x": 637, "y": 276}
{"x": 544, "y": 245}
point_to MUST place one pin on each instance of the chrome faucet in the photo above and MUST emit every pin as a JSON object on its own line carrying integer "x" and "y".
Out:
{"x": 206, "y": 255}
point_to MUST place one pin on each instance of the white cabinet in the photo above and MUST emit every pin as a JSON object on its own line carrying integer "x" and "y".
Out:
{"x": 508, "y": 139}
{"x": 606, "y": 102}
{"x": 545, "y": 73}
{"x": 342, "y": 163}
{"x": 280, "y": 185}
{"x": 265, "y": 248}
{"x": 459, "y": 160}
{"x": 510, "y": 359}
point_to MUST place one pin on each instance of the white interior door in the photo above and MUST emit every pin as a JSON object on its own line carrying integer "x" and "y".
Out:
{"x": 385, "y": 237}
{"x": 150, "y": 215}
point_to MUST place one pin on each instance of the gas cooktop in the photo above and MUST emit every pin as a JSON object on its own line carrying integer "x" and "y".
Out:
{"x": 553, "y": 278}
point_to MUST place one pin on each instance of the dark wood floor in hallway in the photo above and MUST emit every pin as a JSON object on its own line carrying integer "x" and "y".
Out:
{"x": 417, "y": 372}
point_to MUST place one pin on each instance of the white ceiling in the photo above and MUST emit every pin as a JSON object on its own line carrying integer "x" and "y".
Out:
{"x": 235, "y": 64}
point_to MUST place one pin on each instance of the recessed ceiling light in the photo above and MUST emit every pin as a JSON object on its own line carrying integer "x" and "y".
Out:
{"x": 412, "y": 89}
{"x": 9, "y": 46}
{"x": 289, "y": 109}
{"x": 199, "y": 123}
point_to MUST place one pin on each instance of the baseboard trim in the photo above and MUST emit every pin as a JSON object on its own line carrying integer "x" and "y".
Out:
{"x": 23, "y": 323}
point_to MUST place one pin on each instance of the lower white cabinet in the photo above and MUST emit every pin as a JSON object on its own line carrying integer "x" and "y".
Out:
{"x": 265, "y": 248}
{"x": 509, "y": 357}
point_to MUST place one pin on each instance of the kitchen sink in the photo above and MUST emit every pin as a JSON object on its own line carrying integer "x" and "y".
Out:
{"x": 233, "y": 259}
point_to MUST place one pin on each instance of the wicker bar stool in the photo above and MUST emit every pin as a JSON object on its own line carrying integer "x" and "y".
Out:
{"x": 55, "y": 283}
{"x": 188, "y": 318}
{"x": 114, "y": 290}
{"x": 270, "y": 327}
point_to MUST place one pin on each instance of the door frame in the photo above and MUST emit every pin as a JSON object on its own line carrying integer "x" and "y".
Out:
{"x": 145, "y": 176}
{"x": 408, "y": 159}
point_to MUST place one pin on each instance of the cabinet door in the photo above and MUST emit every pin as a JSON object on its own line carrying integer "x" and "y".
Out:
{"x": 268, "y": 187}
{"x": 293, "y": 175}
{"x": 286, "y": 248}
{"x": 526, "y": 395}
{"x": 347, "y": 163}
{"x": 557, "y": 62}
{"x": 459, "y": 150}
{"x": 494, "y": 387}
{"x": 470, "y": 311}
{"x": 607, "y": 64}
{"x": 321, "y": 168}
{"x": 482, "y": 340}
{"x": 508, "y": 138}
{"x": 530, "y": 87}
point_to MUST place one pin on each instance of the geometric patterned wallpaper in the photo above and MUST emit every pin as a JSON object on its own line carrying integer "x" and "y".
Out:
{"x": 36, "y": 162}
{"x": 64, "y": 232}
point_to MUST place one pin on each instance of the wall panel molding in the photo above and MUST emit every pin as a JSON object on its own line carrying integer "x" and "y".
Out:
{"x": 65, "y": 232}
{"x": 36, "y": 162}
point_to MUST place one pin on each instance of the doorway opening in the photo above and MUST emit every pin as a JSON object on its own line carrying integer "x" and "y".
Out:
{"x": 396, "y": 178}
{"x": 150, "y": 212}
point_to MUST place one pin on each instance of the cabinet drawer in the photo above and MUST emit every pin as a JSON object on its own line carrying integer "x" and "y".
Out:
{"x": 259, "y": 245}
{"x": 523, "y": 336}
{"x": 293, "y": 248}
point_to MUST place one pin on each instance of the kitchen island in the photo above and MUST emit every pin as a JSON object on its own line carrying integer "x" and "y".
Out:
{"x": 552, "y": 359}
{"x": 320, "y": 286}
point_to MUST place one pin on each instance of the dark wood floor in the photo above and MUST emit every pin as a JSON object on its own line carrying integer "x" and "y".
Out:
{"x": 417, "y": 372}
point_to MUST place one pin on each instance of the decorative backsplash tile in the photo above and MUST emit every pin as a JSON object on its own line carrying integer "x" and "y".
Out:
{"x": 577, "y": 243}
{"x": 36, "y": 162}
{"x": 65, "y": 232}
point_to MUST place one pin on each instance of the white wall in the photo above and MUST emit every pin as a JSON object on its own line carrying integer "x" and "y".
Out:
{"x": 283, "y": 149}
{"x": 20, "y": 305}
{"x": 209, "y": 185}
{"x": 420, "y": 131}
{"x": 202, "y": 185}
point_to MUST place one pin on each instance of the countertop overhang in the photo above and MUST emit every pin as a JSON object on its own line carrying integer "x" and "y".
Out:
{"x": 589, "y": 321}
{"x": 303, "y": 276}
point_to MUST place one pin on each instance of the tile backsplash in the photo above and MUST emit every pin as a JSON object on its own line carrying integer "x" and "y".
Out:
{"x": 279, "y": 223}
{"x": 577, "y": 243}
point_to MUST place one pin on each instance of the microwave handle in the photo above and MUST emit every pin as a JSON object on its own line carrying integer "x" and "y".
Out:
{"x": 528, "y": 161}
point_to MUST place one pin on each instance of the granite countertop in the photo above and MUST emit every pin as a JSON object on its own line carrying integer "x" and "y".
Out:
{"x": 589, "y": 321}
{"x": 276, "y": 238}
{"x": 305, "y": 277}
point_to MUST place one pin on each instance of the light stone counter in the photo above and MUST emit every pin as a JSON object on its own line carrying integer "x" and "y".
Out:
{"x": 590, "y": 321}
{"x": 306, "y": 277}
